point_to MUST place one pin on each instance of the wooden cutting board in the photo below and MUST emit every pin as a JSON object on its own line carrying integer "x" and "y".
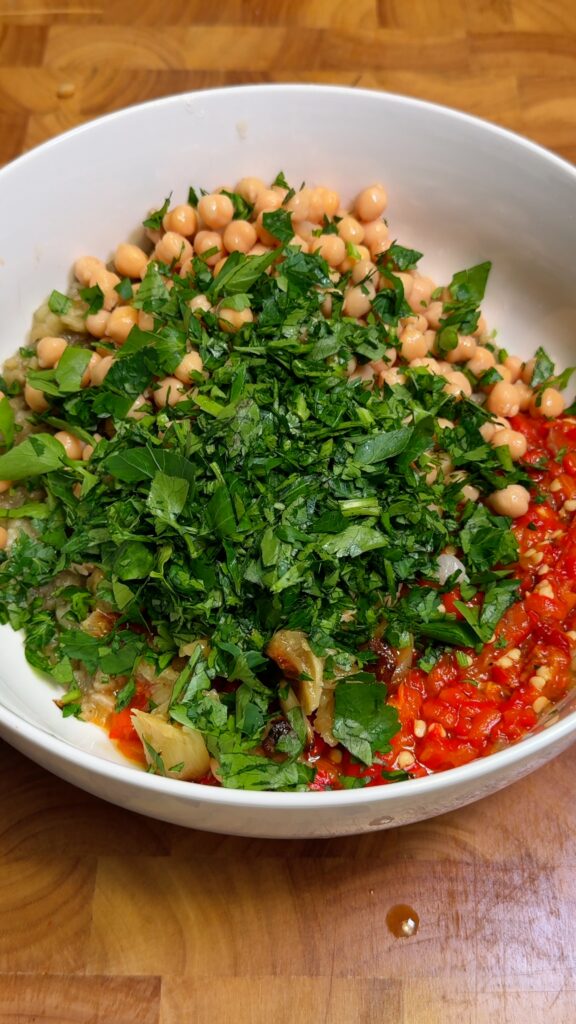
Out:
{"x": 110, "y": 918}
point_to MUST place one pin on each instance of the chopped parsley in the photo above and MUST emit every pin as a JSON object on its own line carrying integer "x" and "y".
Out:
{"x": 278, "y": 495}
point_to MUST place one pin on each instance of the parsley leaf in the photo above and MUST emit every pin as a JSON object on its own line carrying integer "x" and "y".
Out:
{"x": 363, "y": 721}
{"x": 154, "y": 220}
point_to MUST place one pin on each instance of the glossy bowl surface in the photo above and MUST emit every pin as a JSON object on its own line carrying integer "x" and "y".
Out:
{"x": 461, "y": 191}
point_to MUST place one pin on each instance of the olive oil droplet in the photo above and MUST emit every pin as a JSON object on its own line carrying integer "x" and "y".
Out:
{"x": 402, "y": 921}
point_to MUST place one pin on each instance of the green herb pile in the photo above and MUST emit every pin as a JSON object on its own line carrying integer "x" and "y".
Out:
{"x": 280, "y": 495}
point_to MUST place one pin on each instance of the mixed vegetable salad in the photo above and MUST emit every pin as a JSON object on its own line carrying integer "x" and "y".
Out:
{"x": 279, "y": 512}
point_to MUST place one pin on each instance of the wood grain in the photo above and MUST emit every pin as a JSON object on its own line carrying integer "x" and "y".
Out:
{"x": 109, "y": 918}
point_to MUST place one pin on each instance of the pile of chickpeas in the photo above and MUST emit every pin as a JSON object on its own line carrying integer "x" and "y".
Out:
{"x": 355, "y": 251}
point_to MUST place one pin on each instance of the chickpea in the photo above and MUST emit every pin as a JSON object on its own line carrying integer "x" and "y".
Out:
{"x": 359, "y": 254}
{"x": 470, "y": 493}
{"x": 136, "y": 410}
{"x": 191, "y": 363}
{"x": 364, "y": 372}
{"x": 187, "y": 267}
{"x": 392, "y": 377}
{"x": 379, "y": 247}
{"x": 121, "y": 321}
{"x": 326, "y": 306}
{"x": 364, "y": 270}
{"x": 414, "y": 345}
{"x": 87, "y": 452}
{"x": 351, "y": 230}
{"x": 528, "y": 371}
{"x": 182, "y": 219}
{"x": 86, "y": 267}
{"x": 417, "y": 321}
{"x": 504, "y": 373}
{"x": 35, "y": 399}
{"x": 315, "y": 205}
{"x": 482, "y": 360}
{"x": 5, "y": 485}
{"x": 87, "y": 375}
{"x": 219, "y": 266}
{"x": 267, "y": 201}
{"x": 3, "y": 538}
{"x": 49, "y": 350}
{"x": 481, "y": 326}
{"x": 358, "y": 300}
{"x": 130, "y": 260}
{"x": 239, "y": 236}
{"x": 99, "y": 371}
{"x": 145, "y": 321}
{"x": 206, "y": 240}
{"x": 407, "y": 283}
{"x": 216, "y": 210}
{"x": 551, "y": 404}
{"x": 433, "y": 314}
{"x": 259, "y": 250}
{"x": 201, "y": 303}
{"x": 153, "y": 234}
{"x": 442, "y": 469}
{"x": 299, "y": 205}
{"x": 489, "y": 428}
{"x": 331, "y": 247}
{"x": 232, "y": 320}
{"x": 421, "y": 292}
{"x": 300, "y": 242}
{"x": 512, "y": 501}
{"x": 106, "y": 281}
{"x": 503, "y": 399}
{"x": 371, "y": 202}
{"x": 250, "y": 189}
{"x": 173, "y": 249}
{"x": 282, "y": 192}
{"x": 327, "y": 200}
{"x": 515, "y": 441}
{"x": 464, "y": 350}
{"x": 170, "y": 392}
{"x": 72, "y": 445}
{"x": 457, "y": 384}
{"x": 514, "y": 366}
{"x": 524, "y": 392}
{"x": 305, "y": 229}
{"x": 97, "y": 323}
{"x": 432, "y": 365}
{"x": 375, "y": 231}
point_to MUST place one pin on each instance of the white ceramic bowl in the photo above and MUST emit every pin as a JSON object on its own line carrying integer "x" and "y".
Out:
{"x": 460, "y": 190}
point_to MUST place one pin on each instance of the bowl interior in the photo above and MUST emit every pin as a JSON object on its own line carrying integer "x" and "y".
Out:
{"x": 461, "y": 191}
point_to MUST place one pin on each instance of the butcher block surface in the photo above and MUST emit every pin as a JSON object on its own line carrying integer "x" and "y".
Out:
{"x": 111, "y": 918}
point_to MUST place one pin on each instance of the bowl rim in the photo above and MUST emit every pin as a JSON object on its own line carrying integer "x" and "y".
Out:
{"x": 130, "y": 775}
